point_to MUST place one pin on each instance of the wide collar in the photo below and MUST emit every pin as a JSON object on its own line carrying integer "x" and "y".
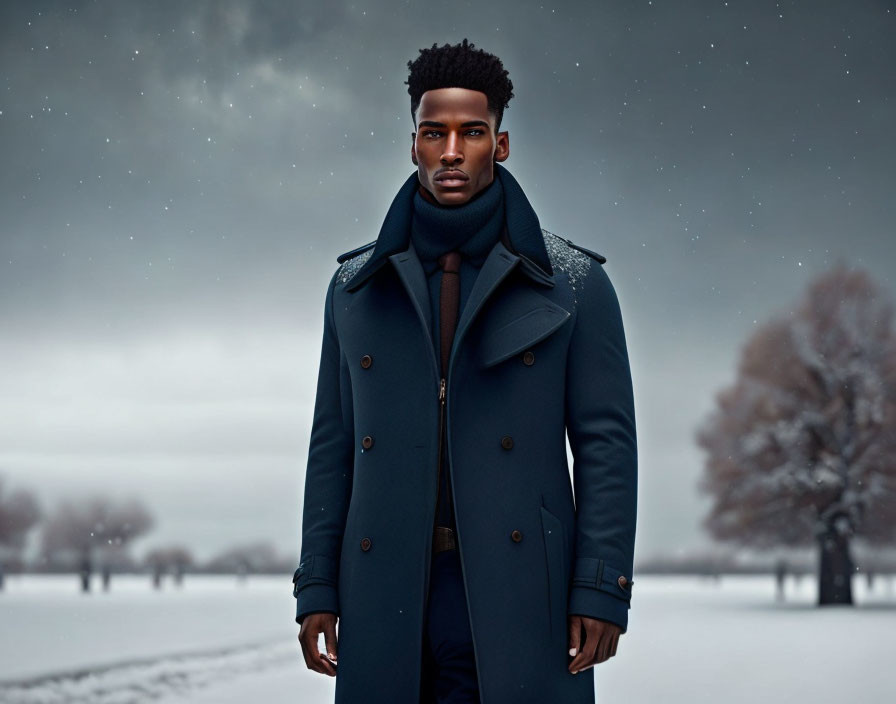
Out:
{"x": 521, "y": 237}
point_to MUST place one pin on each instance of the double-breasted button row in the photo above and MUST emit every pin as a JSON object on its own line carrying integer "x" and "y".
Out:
{"x": 516, "y": 536}
{"x": 365, "y": 544}
{"x": 367, "y": 442}
{"x": 366, "y": 361}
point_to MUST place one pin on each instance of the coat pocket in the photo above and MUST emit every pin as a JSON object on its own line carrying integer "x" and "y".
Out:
{"x": 516, "y": 322}
{"x": 552, "y": 530}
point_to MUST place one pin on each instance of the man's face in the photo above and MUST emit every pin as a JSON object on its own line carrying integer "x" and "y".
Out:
{"x": 455, "y": 145}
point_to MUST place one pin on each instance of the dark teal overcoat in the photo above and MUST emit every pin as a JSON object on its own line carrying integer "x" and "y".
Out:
{"x": 539, "y": 352}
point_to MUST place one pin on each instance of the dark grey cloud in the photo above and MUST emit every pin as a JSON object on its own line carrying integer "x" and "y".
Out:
{"x": 178, "y": 178}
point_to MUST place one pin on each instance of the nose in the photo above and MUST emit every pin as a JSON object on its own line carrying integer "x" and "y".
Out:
{"x": 453, "y": 153}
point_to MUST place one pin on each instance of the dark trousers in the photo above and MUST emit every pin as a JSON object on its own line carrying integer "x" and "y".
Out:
{"x": 449, "y": 666}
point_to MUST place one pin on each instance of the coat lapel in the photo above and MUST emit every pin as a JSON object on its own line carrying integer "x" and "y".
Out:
{"x": 497, "y": 265}
{"x": 412, "y": 276}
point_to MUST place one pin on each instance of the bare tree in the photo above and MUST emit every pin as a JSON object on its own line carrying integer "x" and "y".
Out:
{"x": 802, "y": 448}
{"x": 180, "y": 559}
{"x": 174, "y": 559}
{"x": 19, "y": 512}
{"x": 95, "y": 529}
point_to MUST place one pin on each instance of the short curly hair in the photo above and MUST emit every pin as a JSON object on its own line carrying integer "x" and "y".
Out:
{"x": 460, "y": 66}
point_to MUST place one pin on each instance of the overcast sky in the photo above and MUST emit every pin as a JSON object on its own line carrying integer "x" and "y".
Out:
{"x": 179, "y": 177}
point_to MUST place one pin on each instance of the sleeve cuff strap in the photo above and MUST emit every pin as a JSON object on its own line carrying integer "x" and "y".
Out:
{"x": 315, "y": 598}
{"x": 314, "y": 569}
{"x": 603, "y": 576}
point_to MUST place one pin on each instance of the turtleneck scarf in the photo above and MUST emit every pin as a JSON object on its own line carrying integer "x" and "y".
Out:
{"x": 472, "y": 228}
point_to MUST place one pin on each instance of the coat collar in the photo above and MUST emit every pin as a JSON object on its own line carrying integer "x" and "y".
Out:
{"x": 521, "y": 238}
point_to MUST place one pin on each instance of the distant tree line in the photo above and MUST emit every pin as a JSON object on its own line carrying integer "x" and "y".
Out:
{"x": 95, "y": 536}
{"x": 797, "y": 562}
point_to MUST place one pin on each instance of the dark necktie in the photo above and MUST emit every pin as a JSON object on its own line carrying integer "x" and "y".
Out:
{"x": 449, "y": 302}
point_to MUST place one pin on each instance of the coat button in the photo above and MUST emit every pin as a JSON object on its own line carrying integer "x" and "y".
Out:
{"x": 366, "y": 361}
{"x": 367, "y": 442}
{"x": 516, "y": 536}
{"x": 507, "y": 442}
{"x": 528, "y": 358}
{"x": 623, "y": 582}
{"x": 365, "y": 544}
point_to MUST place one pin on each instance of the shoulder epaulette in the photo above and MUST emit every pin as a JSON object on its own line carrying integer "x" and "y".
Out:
{"x": 353, "y": 252}
{"x": 600, "y": 257}
{"x": 554, "y": 244}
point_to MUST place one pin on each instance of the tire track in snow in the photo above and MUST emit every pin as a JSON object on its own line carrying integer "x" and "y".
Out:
{"x": 147, "y": 679}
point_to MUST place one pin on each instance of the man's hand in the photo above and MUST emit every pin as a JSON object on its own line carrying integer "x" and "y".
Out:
{"x": 312, "y": 626}
{"x": 601, "y": 638}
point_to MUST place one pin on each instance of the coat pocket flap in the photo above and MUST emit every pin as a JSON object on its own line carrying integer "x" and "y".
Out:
{"x": 521, "y": 333}
{"x": 314, "y": 569}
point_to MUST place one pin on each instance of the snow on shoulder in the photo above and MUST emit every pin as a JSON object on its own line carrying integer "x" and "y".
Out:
{"x": 353, "y": 260}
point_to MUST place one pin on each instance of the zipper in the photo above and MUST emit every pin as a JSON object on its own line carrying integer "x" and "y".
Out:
{"x": 435, "y": 518}
{"x": 442, "y": 396}
{"x": 442, "y": 400}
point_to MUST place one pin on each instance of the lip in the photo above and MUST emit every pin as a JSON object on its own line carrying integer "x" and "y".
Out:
{"x": 452, "y": 178}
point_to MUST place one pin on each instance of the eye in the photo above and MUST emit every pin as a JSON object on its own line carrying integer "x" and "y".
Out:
{"x": 429, "y": 133}
{"x": 476, "y": 130}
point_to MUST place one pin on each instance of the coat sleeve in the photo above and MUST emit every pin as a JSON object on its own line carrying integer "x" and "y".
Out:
{"x": 328, "y": 479}
{"x": 600, "y": 422}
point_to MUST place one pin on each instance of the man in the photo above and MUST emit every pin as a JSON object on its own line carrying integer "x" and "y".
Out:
{"x": 459, "y": 349}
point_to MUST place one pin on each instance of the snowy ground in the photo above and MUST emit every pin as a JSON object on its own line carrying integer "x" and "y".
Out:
{"x": 216, "y": 641}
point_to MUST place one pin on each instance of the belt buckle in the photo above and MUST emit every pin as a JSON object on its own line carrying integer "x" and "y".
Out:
{"x": 443, "y": 538}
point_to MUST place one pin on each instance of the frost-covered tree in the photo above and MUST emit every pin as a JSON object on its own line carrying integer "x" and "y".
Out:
{"x": 97, "y": 528}
{"x": 801, "y": 450}
{"x": 19, "y": 512}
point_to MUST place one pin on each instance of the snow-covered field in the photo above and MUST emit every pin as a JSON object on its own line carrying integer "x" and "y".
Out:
{"x": 217, "y": 641}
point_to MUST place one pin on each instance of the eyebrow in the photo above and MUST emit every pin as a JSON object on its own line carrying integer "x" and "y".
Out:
{"x": 433, "y": 123}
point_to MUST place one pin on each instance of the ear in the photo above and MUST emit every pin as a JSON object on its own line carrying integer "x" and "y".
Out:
{"x": 413, "y": 150}
{"x": 502, "y": 146}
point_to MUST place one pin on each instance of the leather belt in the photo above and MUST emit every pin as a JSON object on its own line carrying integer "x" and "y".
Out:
{"x": 443, "y": 538}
